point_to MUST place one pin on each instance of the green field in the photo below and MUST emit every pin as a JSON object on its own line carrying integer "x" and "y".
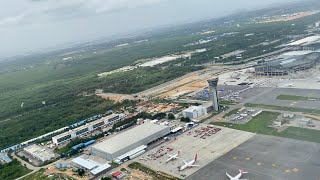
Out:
{"x": 13, "y": 170}
{"x": 231, "y": 113}
{"x": 259, "y": 124}
{"x": 303, "y": 110}
{"x": 295, "y": 98}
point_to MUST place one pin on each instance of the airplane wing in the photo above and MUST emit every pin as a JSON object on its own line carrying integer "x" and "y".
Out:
{"x": 185, "y": 162}
{"x": 194, "y": 165}
{"x": 170, "y": 155}
{"x": 229, "y": 175}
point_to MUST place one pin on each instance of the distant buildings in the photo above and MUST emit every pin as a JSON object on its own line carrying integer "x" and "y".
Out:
{"x": 288, "y": 63}
{"x": 113, "y": 118}
{"x": 194, "y": 112}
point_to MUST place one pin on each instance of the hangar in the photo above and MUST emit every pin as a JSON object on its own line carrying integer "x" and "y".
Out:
{"x": 127, "y": 141}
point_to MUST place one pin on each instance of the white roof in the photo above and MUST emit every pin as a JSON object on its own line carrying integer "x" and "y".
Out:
{"x": 101, "y": 168}
{"x": 193, "y": 108}
{"x": 85, "y": 163}
{"x": 129, "y": 137}
{"x": 176, "y": 129}
{"x": 132, "y": 152}
{"x": 309, "y": 39}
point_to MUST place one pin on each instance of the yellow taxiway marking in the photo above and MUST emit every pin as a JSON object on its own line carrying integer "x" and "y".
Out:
{"x": 259, "y": 163}
{"x": 235, "y": 157}
{"x": 295, "y": 169}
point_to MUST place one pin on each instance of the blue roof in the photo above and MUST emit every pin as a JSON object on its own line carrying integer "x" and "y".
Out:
{"x": 5, "y": 158}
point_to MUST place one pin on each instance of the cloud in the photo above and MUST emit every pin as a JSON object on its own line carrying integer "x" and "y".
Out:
{"x": 48, "y": 10}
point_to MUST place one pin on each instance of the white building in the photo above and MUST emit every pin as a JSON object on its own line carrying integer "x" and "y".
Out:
{"x": 133, "y": 141}
{"x": 39, "y": 153}
{"x": 71, "y": 134}
{"x": 194, "y": 112}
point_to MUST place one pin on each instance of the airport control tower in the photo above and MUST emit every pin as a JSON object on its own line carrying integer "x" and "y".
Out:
{"x": 213, "y": 83}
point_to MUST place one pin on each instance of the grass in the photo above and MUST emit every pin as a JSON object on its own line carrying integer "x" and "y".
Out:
{"x": 231, "y": 113}
{"x": 39, "y": 175}
{"x": 151, "y": 172}
{"x": 304, "y": 110}
{"x": 13, "y": 170}
{"x": 259, "y": 124}
{"x": 295, "y": 98}
{"x": 228, "y": 103}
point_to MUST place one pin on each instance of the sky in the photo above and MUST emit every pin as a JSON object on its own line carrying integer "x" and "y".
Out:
{"x": 30, "y": 25}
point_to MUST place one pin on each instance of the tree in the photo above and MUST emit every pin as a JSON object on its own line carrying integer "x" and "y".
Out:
{"x": 171, "y": 116}
{"x": 106, "y": 178}
{"x": 187, "y": 119}
{"x": 81, "y": 172}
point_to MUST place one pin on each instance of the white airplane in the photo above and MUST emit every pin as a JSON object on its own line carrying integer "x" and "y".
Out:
{"x": 173, "y": 157}
{"x": 237, "y": 177}
{"x": 290, "y": 85}
{"x": 189, "y": 164}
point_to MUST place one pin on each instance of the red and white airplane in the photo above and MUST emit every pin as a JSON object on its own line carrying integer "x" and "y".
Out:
{"x": 189, "y": 164}
{"x": 173, "y": 157}
{"x": 237, "y": 177}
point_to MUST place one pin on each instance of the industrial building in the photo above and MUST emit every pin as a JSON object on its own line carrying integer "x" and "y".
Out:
{"x": 4, "y": 158}
{"x": 113, "y": 118}
{"x": 130, "y": 142}
{"x": 213, "y": 84}
{"x": 91, "y": 166}
{"x": 39, "y": 153}
{"x": 288, "y": 63}
{"x": 308, "y": 43}
{"x": 194, "y": 112}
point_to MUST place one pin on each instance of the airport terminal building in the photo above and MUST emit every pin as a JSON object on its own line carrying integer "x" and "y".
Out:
{"x": 288, "y": 63}
{"x": 130, "y": 143}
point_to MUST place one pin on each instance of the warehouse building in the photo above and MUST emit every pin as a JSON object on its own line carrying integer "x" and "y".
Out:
{"x": 288, "y": 63}
{"x": 111, "y": 119}
{"x": 132, "y": 140}
{"x": 194, "y": 112}
{"x": 39, "y": 153}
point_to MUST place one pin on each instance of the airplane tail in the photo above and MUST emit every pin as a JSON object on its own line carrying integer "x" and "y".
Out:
{"x": 196, "y": 157}
{"x": 243, "y": 171}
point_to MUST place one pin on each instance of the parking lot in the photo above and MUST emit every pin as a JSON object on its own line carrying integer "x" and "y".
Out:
{"x": 208, "y": 143}
{"x": 265, "y": 158}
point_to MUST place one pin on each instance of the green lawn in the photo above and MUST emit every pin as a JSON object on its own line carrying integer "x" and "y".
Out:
{"x": 260, "y": 123}
{"x": 264, "y": 106}
{"x": 13, "y": 170}
{"x": 295, "y": 98}
{"x": 228, "y": 103}
{"x": 231, "y": 113}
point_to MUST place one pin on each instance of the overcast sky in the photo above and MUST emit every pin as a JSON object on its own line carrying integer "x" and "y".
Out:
{"x": 32, "y": 24}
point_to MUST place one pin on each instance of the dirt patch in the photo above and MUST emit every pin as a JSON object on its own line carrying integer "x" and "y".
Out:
{"x": 138, "y": 175}
{"x": 290, "y": 18}
{"x": 116, "y": 97}
{"x": 68, "y": 172}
